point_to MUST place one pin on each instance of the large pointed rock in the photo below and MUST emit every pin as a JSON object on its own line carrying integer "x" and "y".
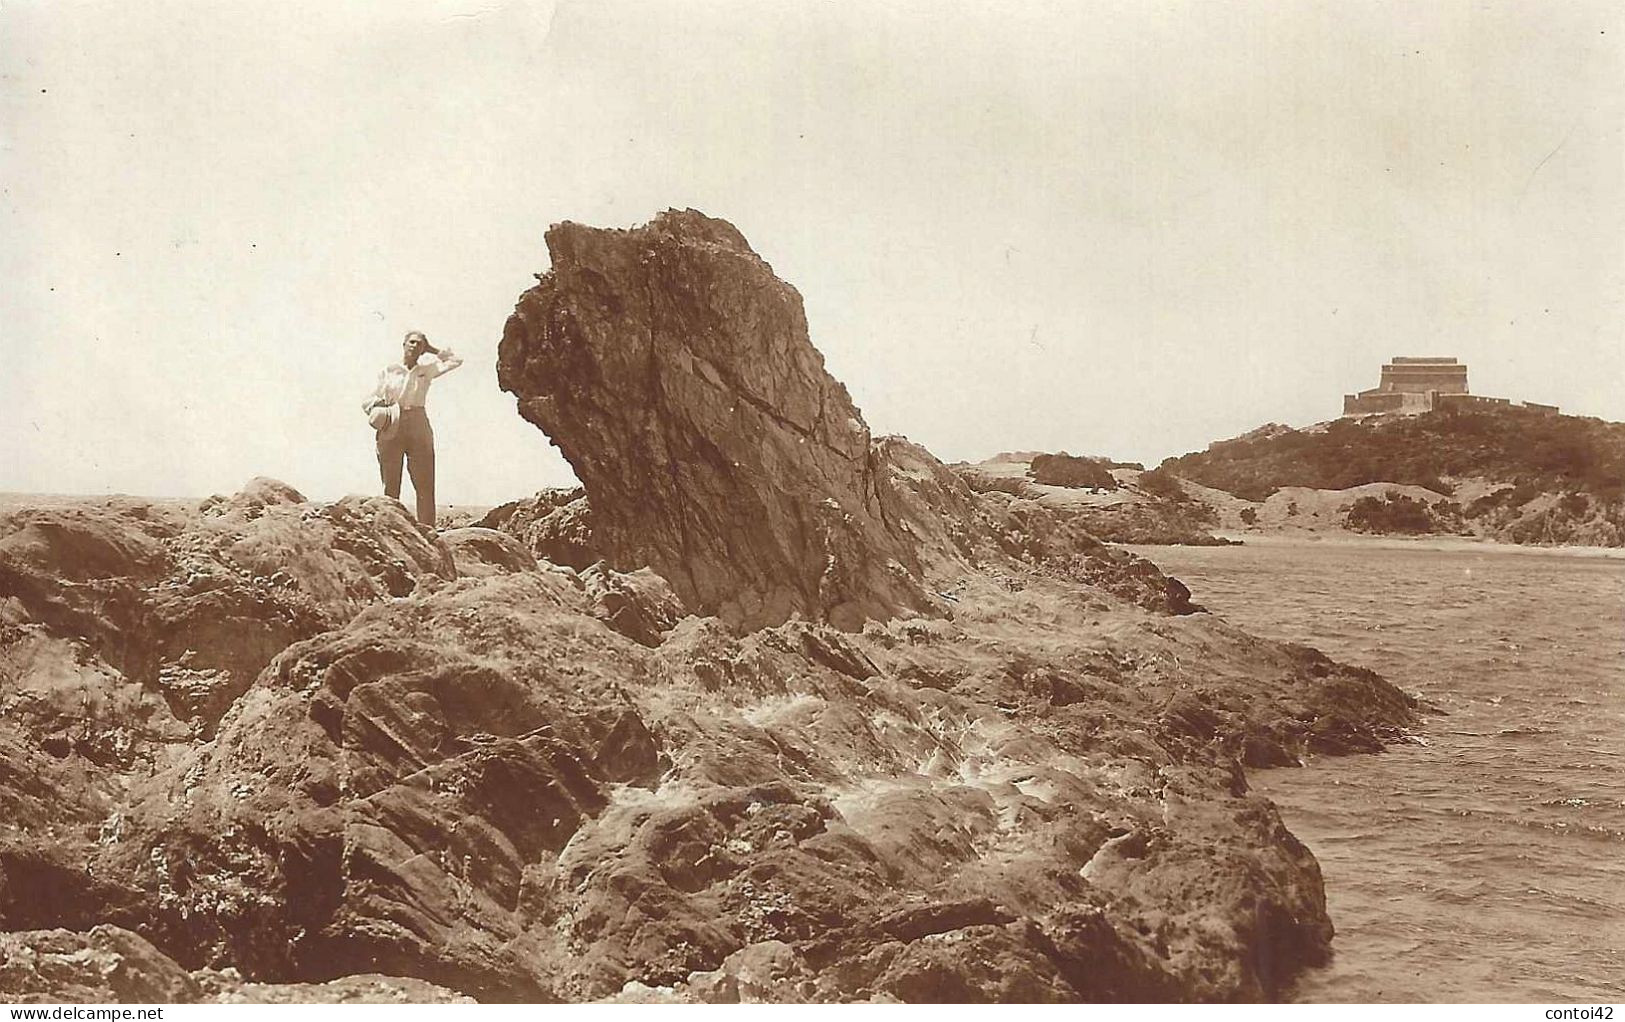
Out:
{"x": 673, "y": 370}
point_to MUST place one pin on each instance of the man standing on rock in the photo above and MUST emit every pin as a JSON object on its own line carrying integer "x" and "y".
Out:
{"x": 405, "y": 385}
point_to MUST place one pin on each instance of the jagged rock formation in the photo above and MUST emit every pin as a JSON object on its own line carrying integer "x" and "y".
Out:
{"x": 269, "y": 749}
{"x": 1067, "y": 470}
{"x": 485, "y": 786}
{"x": 673, "y": 370}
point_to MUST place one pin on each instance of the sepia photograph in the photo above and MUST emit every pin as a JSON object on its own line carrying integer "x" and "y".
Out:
{"x": 813, "y": 502}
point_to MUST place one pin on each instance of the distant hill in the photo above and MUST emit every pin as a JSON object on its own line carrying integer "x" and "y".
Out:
{"x": 1511, "y": 473}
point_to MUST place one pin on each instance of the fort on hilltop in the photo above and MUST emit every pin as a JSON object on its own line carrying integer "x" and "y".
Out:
{"x": 1411, "y": 385}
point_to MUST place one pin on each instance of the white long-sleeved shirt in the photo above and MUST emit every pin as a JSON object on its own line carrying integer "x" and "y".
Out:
{"x": 409, "y": 388}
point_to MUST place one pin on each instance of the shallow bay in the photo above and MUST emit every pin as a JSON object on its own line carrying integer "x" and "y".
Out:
{"x": 1486, "y": 862}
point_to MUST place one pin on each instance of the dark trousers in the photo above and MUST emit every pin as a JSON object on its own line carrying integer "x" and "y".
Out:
{"x": 412, "y": 439}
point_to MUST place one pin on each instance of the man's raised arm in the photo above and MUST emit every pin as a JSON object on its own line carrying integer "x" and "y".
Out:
{"x": 444, "y": 361}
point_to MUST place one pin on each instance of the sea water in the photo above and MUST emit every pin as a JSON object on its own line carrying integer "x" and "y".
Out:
{"x": 1487, "y": 864}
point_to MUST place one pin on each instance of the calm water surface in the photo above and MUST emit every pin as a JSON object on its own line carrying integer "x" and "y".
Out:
{"x": 1488, "y": 864}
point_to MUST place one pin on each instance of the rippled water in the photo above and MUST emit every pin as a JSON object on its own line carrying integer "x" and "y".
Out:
{"x": 1489, "y": 864}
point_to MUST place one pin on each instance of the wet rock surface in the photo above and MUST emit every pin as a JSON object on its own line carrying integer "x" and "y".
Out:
{"x": 694, "y": 767}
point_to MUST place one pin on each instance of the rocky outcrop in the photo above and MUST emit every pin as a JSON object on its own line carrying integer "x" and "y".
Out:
{"x": 795, "y": 722}
{"x": 487, "y": 787}
{"x": 1136, "y": 510}
{"x": 109, "y": 964}
{"x": 374, "y": 803}
{"x": 673, "y": 370}
{"x": 1068, "y": 470}
{"x": 538, "y": 783}
{"x": 105, "y": 964}
{"x": 128, "y": 628}
{"x": 555, "y": 525}
{"x": 1505, "y": 473}
{"x": 190, "y": 606}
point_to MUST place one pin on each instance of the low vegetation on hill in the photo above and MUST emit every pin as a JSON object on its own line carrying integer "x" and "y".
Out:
{"x": 1552, "y": 453}
{"x": 1143, "y": 507}
{"x": 1561, "y": 478}
{"x": 1397, "y": 513}
{"x": 1160, "y": 483}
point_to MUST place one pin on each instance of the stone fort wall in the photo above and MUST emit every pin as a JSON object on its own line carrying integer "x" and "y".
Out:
{"x": 1413, "y": 384}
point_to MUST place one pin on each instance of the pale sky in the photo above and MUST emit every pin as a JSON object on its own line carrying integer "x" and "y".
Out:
{"x": 1116, "y": 228}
